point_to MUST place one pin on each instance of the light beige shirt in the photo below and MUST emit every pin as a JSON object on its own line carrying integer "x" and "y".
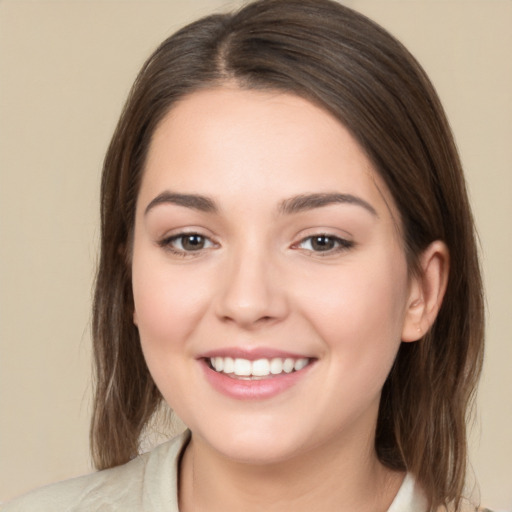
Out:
{"x": 148, "y": 483}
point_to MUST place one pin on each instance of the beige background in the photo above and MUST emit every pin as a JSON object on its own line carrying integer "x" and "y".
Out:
{"x": 65, "y": 69}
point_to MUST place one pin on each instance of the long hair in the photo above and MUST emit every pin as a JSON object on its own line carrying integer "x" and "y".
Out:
{"x": 354, "y": 69}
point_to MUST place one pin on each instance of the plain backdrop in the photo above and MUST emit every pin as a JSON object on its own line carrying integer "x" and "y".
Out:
{"x": 65, "y": 69}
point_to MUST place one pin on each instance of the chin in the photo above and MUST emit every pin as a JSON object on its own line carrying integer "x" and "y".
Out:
{"x": 256, "y": 445}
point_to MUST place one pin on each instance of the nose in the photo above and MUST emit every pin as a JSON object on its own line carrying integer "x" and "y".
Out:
{"x": 252, "y": 293}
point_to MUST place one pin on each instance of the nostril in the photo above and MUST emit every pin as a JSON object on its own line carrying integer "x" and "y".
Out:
{"x": 237, "y": 318}
{"x": 248, "y": 298}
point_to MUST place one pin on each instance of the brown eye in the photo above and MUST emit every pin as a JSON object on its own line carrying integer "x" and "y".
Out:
{"x": 192, "y": 242}
{"x": 323, "y": 243}
{"x": 186, "y": 243}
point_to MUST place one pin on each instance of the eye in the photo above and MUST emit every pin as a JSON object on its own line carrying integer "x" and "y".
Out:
{"x": 324, "y": 243}
{"x": 184, "y": 243}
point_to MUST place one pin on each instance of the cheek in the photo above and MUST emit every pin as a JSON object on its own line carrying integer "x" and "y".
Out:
{"x": 168, "y": 302}
{"x": 359, "y": 315}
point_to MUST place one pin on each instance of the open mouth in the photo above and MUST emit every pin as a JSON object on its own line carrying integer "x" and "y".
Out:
{"x": 246, "y": 369}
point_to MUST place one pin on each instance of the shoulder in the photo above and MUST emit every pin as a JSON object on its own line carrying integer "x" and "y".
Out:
{"x": 123, "y": 488}
{"x": 84, "y": 492}
{"x": 473, "y": 508}
{"x": 466, "y": 506}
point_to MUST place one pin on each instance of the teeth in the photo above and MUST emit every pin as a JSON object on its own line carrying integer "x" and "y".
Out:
{"x": 259, "y": 368}
{"x": 276, "y": 366}
{"x": 243, "y": 367}
{"x": 288, "y": 365}
{"x": 299, "y": 364}
{"x": 218, "y": 363}
{"x": 229, "y": 365}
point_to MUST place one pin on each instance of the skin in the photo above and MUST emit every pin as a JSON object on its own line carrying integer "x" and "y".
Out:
{"x": 259, "y": 282}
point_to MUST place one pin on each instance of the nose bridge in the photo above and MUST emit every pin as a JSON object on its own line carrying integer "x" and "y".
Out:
{"x": 251, "y": 292}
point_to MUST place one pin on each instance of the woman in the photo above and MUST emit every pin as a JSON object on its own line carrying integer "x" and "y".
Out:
{"x": 288, "y": 260}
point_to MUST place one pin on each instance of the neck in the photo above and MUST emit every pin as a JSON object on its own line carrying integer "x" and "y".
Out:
{"x": 334, "y": 477}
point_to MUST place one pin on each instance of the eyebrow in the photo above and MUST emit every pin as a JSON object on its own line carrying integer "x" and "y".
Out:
{"x": 310, "y": 201}
{"x": 289, "y": 206}
{"x": 194, "y": 201}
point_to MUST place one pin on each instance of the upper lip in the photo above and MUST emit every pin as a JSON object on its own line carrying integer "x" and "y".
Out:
{"x": 252, "y": 354}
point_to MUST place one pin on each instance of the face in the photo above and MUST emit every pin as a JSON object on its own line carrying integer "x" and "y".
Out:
{"x": 269, "y": 279}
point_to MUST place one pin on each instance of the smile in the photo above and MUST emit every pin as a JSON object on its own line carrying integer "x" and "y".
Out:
{"x": 240, "y": 368}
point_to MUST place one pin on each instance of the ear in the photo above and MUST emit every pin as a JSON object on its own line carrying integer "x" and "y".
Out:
{"x": 426, "y": 291}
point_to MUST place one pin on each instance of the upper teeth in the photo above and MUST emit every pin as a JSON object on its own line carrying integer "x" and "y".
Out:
{"x": 258, "y": 368}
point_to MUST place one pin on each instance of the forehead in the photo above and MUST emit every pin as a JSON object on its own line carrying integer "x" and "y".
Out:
{"x": 234, "y": 143}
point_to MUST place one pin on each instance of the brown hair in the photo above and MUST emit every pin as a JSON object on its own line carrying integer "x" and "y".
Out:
{"x": 354, "y": 69}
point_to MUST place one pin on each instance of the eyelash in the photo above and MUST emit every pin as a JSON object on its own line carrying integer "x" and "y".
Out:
{"x": 167, "y": 244}
{"x": 339, "y": 244}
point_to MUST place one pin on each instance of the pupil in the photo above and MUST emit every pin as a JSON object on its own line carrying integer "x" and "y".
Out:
{"x": 193, "y": 242}
{"x": 322, "y": 243}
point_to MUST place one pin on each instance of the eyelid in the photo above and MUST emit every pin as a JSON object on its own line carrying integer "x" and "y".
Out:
{"x": 166, "y": 242}
{"x": 342, "y": 244}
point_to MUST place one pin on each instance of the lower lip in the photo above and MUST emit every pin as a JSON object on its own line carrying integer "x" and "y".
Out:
{"x": 253, "y": 389}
